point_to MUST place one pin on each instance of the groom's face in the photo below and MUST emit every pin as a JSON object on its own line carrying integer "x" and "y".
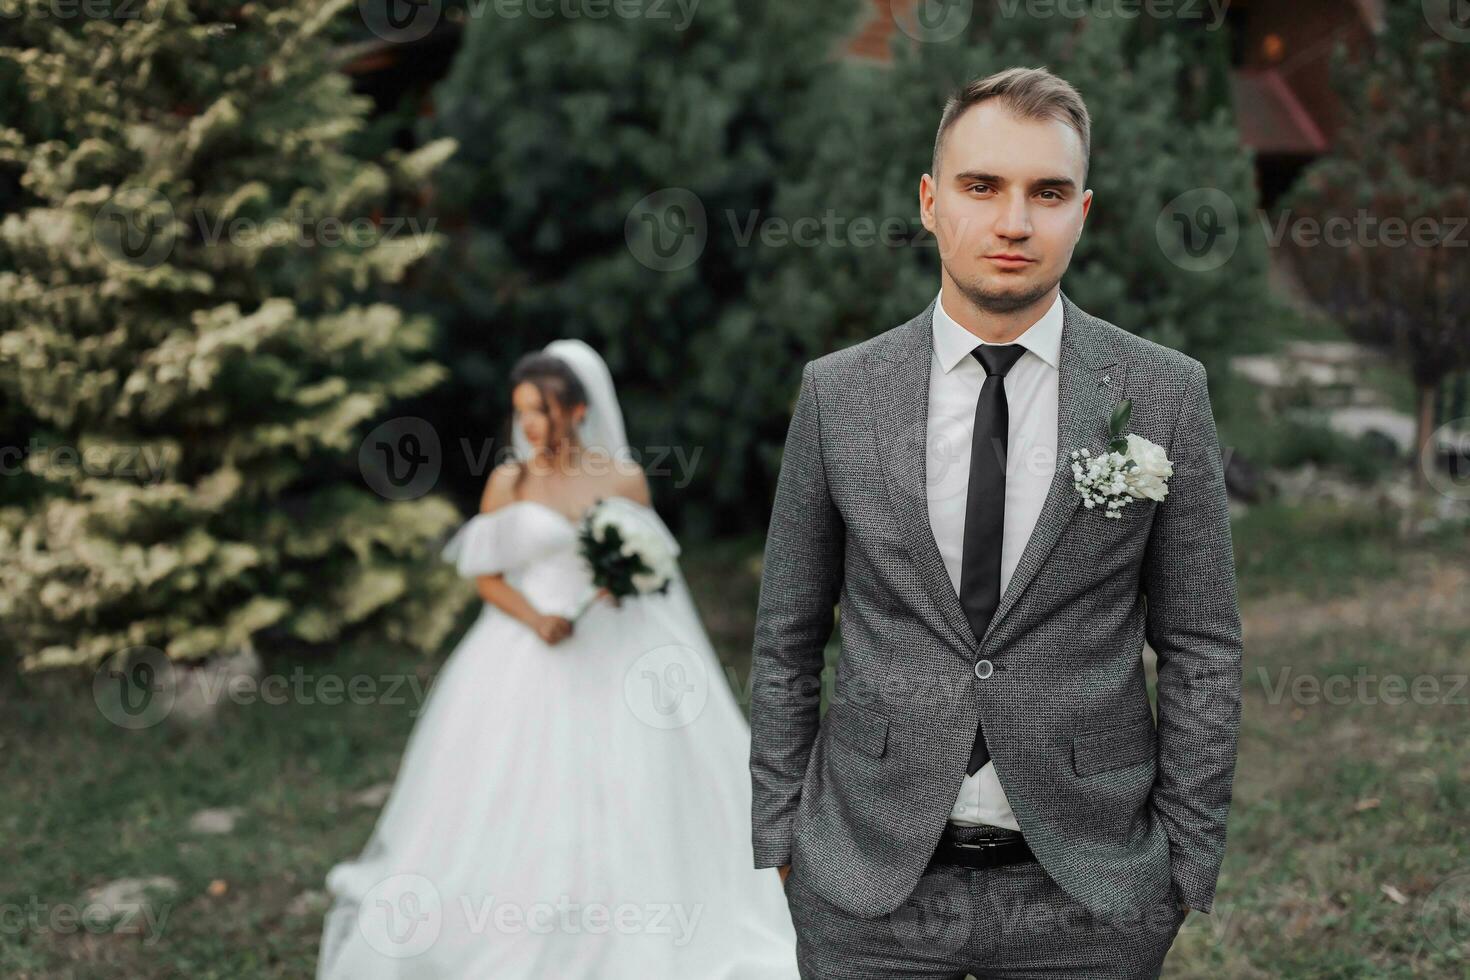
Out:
{"x": 1007, "y": 205}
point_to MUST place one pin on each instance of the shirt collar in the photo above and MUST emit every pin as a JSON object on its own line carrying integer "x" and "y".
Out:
{"x": 953, "y": 343}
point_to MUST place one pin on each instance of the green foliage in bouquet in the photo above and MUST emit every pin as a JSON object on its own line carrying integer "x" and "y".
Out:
{"x": 611, "y": 569}
{"x": 1118, "y": 425}
{"x": 191, "y": 312}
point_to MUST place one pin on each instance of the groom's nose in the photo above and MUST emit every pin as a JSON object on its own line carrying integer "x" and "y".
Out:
{"x": 1014, "y": 222}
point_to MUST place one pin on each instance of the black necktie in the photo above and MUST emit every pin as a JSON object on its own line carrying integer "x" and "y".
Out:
{"x": 985, "y": 506}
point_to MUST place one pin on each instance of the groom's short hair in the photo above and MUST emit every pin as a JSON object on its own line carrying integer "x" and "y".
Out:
{"x": 1031, "y": 93}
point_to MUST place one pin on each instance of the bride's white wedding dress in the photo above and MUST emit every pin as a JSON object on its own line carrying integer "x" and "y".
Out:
{"x": 571, "y": 811}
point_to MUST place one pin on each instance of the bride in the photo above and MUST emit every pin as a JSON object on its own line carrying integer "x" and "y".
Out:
{"x": 573, "y": 801}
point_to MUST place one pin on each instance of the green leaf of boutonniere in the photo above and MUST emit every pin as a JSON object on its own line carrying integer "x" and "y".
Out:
{"x": 1119, "y": 421}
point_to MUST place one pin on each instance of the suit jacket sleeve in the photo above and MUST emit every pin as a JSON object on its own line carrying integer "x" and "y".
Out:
{"x": 1193, "y": 625}
{"x": 800, "y": 583}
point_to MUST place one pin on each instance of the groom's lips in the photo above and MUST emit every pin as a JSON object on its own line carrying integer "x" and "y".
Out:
{"x": 1009, "y": 261}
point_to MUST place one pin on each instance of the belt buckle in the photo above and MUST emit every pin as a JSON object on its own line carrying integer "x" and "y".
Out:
{"x": 981, "y": 845}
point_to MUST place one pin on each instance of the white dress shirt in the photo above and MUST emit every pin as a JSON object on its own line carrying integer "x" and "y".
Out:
{"x": 955, "y": 377}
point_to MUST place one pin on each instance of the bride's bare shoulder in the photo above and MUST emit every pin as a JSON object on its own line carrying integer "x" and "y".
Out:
{"x": 500, "y": 488}
{"x": 629, "y": 481}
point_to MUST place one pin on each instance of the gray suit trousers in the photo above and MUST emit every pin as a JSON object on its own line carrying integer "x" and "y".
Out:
{"x": 1005, "y": 922}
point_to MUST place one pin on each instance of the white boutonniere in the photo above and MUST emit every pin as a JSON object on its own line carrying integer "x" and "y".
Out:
{"x": 1132, "y": 469}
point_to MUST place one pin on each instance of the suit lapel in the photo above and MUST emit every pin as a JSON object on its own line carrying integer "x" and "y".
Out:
{"x": 1084, "y": 403}
{"x": 900, "y": 400}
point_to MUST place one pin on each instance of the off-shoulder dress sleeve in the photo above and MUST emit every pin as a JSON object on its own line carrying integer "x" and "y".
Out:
{"x": 482, "y": 546}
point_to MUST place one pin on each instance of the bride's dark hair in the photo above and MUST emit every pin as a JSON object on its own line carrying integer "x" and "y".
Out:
{"x": 554, "y": 379}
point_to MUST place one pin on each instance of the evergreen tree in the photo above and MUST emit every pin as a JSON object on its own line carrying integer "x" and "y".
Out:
{"x": 1378, "y": 226}
{"x": 186, "y": 310}
{"x": 600, "y": 161}
{"x": 1166, "y": 163}
{"x": 593, "y": 149}
{"x": 869, "y": 135}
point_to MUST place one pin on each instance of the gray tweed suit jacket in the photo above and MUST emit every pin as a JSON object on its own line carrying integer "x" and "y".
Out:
{"x": 1115, "y": 804}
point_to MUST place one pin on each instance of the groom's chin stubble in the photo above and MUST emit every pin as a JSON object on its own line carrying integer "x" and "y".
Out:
{"x": 1007, "y": 301}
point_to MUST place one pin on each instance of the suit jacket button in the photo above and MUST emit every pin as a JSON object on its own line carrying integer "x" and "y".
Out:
{"x": 984, "y": 668}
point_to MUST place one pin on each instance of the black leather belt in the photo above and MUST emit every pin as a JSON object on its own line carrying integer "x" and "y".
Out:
{"x": 981, "y": 847}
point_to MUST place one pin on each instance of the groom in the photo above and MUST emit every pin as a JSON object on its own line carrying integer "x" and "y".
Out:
{"x": 989, "y": 791}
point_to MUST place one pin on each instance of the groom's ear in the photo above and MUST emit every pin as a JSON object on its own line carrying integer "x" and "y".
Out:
{"x": 926, "y": 194}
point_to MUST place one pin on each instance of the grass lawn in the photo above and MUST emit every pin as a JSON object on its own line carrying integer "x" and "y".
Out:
{"x": 1347, "y": 816}
{"x": 1351, "y": 789}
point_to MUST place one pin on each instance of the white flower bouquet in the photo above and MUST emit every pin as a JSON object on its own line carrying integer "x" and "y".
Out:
{"x": 1132, "y": 469}
{"x": 627, "y": 554}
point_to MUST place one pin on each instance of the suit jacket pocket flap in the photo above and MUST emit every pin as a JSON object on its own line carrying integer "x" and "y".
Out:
{"x": 1113, "y": 748}
{"x": 861, "y": 727}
